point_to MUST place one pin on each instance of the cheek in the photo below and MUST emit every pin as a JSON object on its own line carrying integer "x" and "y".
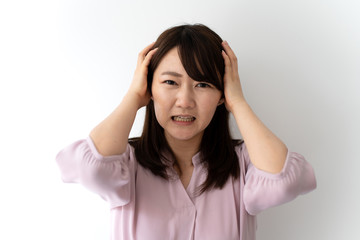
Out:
{"x": 209, "y": 107}
{"x": 157, "y": 108}
{"x": 210, "y": 111}
{"x": 158, "y": 94}
{"x": 162, "y": 99}
{"x": 211, "y": 101}
{"x": 161, "y": 110}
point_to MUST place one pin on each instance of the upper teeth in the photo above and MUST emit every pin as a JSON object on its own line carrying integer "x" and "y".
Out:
{"x": 183, "y": 119}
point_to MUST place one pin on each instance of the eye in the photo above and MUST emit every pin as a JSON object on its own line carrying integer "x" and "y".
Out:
{"x": 170, "y": 82}
{"x": 203, "y": 85}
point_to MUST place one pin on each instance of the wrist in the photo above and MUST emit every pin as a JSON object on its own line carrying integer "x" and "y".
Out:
{"x": 134, "y": 99}
{"x": 237, "y": 103}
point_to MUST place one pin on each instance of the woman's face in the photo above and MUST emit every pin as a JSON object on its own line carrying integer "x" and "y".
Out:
{"x": 183, "y": 107}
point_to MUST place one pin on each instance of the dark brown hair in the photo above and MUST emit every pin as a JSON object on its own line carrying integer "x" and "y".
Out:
{"x": 199, "y": 49}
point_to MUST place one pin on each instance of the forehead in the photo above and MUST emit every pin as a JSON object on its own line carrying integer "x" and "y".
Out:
{"x": 170, "y": 62}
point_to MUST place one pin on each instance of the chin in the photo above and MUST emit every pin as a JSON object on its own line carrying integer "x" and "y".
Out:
{"x": 181, "y": 136}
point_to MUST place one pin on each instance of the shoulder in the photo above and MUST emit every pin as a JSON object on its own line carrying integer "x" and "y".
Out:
{"x": 237, "y": 142}
{"x": 238, "y": 145}
{"x": 134, "y": 142}
{"x": 241, "y": 152}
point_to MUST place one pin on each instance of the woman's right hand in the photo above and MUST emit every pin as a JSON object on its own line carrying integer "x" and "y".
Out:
{"x": 138, "y": 87}
{"x": 111, "y": 135}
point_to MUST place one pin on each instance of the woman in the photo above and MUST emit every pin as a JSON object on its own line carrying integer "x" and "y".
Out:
{"x": 185, "y": 178}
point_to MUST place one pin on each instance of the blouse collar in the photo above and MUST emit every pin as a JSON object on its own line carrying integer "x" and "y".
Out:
{"x": 169, "y": 161}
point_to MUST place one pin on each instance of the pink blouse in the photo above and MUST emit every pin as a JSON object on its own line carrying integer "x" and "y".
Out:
{"x": 145, "y": 206}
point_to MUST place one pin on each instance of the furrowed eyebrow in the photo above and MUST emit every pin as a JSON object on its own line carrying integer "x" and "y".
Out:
{"x": 175, "y": 74}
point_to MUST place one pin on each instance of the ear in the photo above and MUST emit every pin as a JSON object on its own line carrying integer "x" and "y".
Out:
{"x": 221, "y": 101}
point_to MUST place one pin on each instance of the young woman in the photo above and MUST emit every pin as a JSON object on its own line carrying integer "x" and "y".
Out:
{"x": 184, "y": 177}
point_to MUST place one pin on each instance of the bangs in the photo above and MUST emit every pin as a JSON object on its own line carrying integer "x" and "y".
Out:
{"x": 199, "y": 49}
{"x": 201, "y": 56}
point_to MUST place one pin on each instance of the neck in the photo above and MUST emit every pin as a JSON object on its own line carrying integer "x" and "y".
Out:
{"x": 184, "y": 150}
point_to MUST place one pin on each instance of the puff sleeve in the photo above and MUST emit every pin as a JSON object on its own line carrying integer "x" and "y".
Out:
{"x": 263, "y": 190}
{"x": 110, "y": 177}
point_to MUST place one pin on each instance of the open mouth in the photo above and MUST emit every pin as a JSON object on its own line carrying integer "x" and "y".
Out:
{"x": 183, "y": 118}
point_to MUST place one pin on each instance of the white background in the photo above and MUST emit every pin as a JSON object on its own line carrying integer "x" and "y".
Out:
{"x": 65, "y": 65}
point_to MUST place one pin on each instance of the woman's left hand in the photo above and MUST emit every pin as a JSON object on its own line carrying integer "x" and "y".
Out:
{"x": 267, "y": 152}
{"x": 232, "y": 86}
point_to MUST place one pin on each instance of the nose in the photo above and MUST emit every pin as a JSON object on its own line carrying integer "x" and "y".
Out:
{"x": 185, "y": 98}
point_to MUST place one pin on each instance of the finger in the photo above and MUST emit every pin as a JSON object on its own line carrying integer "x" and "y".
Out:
{"x": 144, "y": 52}
{"x": 148, "y": 57}
{"x": 230, "y": 52}
{"x": 227, "y": 48}
{"x": 147, "y": 49}
{"x": 226, "y": 57}
{"x": 227, "y": 62}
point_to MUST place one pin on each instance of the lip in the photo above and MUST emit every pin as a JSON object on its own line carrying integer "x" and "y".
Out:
{"x": 183, "y": 120}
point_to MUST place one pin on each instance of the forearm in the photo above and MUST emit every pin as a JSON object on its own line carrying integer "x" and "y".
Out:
{"x": 267, "y": 152}
{"x": 111, "y": 135}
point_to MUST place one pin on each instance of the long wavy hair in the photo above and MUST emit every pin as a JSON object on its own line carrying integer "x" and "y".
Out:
{"x": 199, "y": 49}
